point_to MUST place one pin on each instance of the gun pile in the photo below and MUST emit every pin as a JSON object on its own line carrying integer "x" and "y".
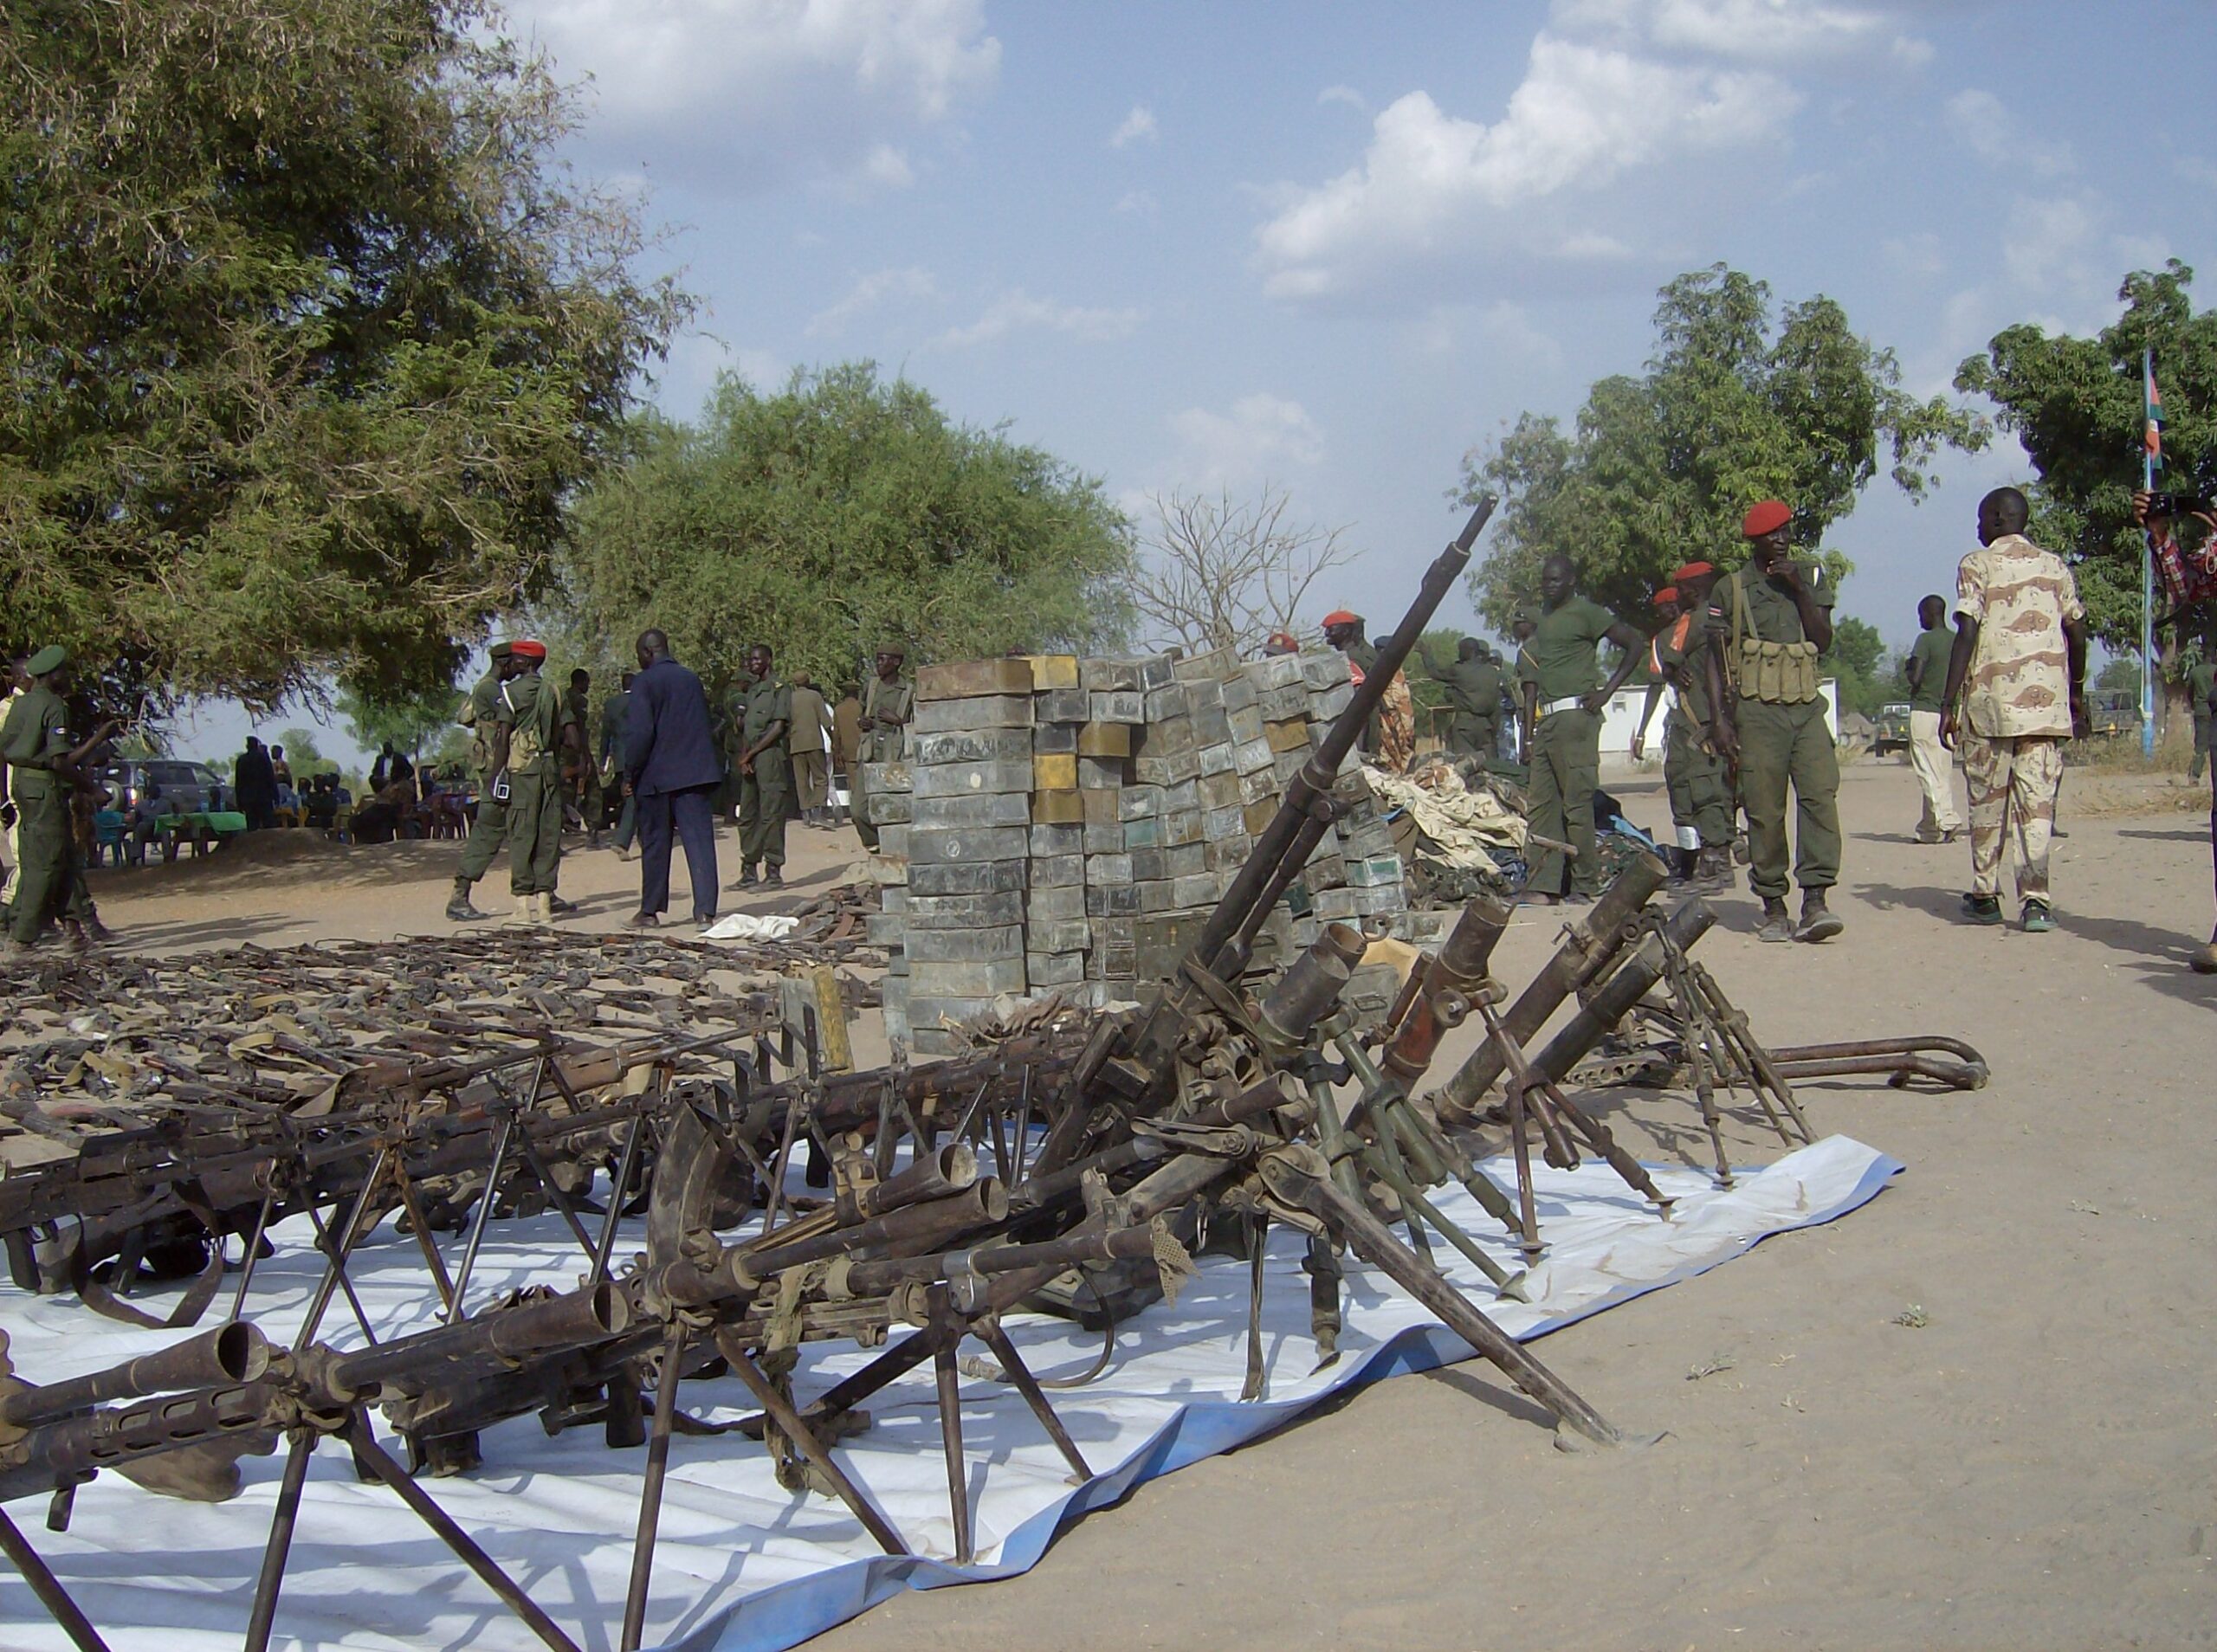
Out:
{"x": 1075, "y": 1166}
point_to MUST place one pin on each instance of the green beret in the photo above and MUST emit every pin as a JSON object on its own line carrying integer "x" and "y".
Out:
{"x": 502, "y": 650}
{"x": 1523, "y": 615}
{"x": 892, "y": 646}
{"x": 52, "y": 657}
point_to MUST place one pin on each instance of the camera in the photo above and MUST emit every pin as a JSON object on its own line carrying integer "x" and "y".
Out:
{"x": 2177, "y": 504}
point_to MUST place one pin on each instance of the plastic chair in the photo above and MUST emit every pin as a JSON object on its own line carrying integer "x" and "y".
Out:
{"x": 107, "y": 836}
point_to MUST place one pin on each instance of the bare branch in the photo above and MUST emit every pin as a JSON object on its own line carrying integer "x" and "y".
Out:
{"x": 1219, "y": 573}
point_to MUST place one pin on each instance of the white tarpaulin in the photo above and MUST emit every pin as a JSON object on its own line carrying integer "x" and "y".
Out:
{"x": 744, "y": 1566}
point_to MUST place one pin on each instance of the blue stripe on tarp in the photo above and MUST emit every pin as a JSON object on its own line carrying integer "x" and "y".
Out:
{"x": 789, "y": 1613}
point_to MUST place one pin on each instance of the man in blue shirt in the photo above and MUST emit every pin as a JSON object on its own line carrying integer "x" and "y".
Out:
{"x": 674, "y": 770}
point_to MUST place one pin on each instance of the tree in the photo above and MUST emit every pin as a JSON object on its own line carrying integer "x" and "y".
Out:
{"x": 1855, "y": 658}
{"x": 1221, "y": 573}
{"x": 835, "y": 512}
{"x": 1660, "y": 467}
{"x": 2076, "y": 405}
{"x": 2119, "y": 671}
{"x": 308, "y": 338}
{"x": 302, "y": 755}
{"x": 408, "y": 722}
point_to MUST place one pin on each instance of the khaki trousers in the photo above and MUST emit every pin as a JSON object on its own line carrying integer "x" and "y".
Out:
{"x": 1934, "y": 771}
{"x": 2013, "y": 782}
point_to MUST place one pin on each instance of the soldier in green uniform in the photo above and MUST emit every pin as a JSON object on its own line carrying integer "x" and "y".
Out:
{"x": 1558, "y": 668}
{"x": 766, "y": 771}
{"x": 1770, "y": 620}
{"x": 1473, "y": 685}
{"x": 479, "y": 713}
{"x": 1700, "y": 784}
{"x": 730, "y": 741}
{"x": 591, "y": 800}
{"x": 2201, "y": 682}
{"x": 41, "y": 771}
{"x": 1344, "y": 631}
{"x": 887, "y": 704}
{"x": 533, "y": 737}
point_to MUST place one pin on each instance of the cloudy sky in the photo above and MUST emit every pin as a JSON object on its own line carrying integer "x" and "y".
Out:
{"x": 1334, "y": 247}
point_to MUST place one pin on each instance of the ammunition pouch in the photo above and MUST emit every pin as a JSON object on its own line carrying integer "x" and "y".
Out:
{"x": 1780, "y": 674}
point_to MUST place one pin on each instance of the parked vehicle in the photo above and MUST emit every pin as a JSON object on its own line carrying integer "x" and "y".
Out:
{"x": 1890, "y": 728}
{"x": 2113, "y": 712}
{"x": 192, "y": 787}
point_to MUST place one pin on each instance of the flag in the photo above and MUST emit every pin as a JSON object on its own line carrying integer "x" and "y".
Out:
{"x": 2152, "y": 437}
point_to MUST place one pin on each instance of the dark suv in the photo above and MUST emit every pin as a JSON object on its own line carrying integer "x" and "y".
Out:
{"x": 191, "y": 786}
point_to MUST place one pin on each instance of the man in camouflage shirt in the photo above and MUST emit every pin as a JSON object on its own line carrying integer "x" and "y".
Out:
{"x": 2016, "y": 692}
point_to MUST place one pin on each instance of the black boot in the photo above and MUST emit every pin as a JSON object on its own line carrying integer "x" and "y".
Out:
{"x": 458, "y": 907}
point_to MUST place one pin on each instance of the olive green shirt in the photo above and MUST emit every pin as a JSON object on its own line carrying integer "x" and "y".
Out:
{"x": 1931, "y": 647}
{"x": 615, "y": 717}
{"x": 1771, "y": 614}
{"x": 2200, "y": 683}
{"x": 1473, "y": 686}
{"x": 1562, "y": 656}
{"x": 37, "y": 732}
{"x": 888, "y": 706}
{"x": 767, "y": 702}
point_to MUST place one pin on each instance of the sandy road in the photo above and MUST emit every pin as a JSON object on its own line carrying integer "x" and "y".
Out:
{"x": 2034, "y": 1466}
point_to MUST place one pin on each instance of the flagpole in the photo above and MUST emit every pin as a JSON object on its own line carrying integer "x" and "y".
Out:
{"x": 2147, "y": 580}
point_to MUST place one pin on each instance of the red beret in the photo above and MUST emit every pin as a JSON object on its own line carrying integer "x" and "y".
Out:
{"x": 1686, "y": 571}
{"x": 1668, "y": 594}
{"x": 1340, "y": 616}
{"x": 1762, "y": 518}
{"x": 527, "y": 648}
{"x": 1282, "y": 643}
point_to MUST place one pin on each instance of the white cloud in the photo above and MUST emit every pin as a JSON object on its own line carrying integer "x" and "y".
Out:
{"x": 1755, "y": 31}
{"x": 2047, "y": 242}
{"x": 748, "y": 93}
{"x": 1260, "y": 435}
{"x": 1998, "y": 136}
{"x": 1346, "y": 94}
{"x": 1429, "y": 183}
{"x": 1138, "y": 126}
{"x": 1140, "y": 203}
{"x": 869, "y": 293}
{"x": 1017, "y": 311}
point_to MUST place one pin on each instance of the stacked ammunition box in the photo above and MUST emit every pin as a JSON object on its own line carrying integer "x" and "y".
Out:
{"x": 1070, "y": 823}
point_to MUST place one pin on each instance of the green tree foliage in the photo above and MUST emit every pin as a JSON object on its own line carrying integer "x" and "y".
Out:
{"x": 1731, "y": 408}
{"x": 307, "y": 339}
{"x": 2076, "y": 404}
{"x": 301, "y": 753}
{"x": 1857, "y": 658}
{"x": 836, "y": 512}
{"x": 410, "y": 722}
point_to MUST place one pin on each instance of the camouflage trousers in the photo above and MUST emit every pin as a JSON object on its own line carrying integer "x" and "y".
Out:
{"x": 2013, "y": 783}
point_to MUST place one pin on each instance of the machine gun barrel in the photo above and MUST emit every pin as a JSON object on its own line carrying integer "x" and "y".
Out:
{"x": 575, "y": 1320}
{"x": 231, "y": 1354}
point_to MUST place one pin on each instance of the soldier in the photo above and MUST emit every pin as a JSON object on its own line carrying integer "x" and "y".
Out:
{"x": 1344, "y": 631}
{"x": 2015, "y": 694}
{"x": 591, "y": 802}
{"x": 1699, "y": 782}
{"x": 615, "y": 712}
{"x": 887, "y": 704}
{"x": 533, "y": 737}
{"x": 1771, "y": 620}
{"x": 479, "y": 714}
{"x": 41, "y": 771}
{"x": 1927, "y": 671}
{"x": 1558, "y": 667}
{"x": 765, "y": 771}
{"x": 17, "y": 681}
{"x": 808, "y": 745}
{"x": 1473, "y": 685}
{"x": 2200, "y": 684}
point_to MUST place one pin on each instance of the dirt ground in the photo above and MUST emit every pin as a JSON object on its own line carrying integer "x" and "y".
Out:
{"x": 2030, "y": 1462}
